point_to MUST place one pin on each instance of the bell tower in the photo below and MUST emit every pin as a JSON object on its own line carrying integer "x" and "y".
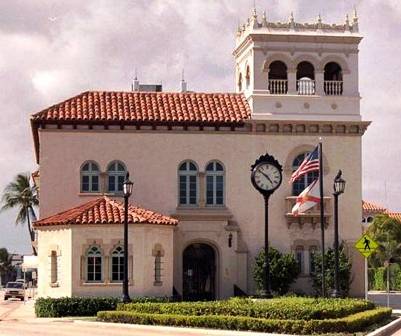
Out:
{"x": 298, "y": 71}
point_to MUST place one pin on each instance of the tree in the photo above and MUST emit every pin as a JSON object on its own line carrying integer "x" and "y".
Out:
{"x": 386, "y": 231}
{"x": 20, "y": 194}
{"x": 6, "y": 267}
{"x": 344, "y": 271}
{"x": 283, "y": 270}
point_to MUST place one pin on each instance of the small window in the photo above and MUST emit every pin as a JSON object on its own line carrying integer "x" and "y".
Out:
{"x": 214, "y": 183}
{"x": 117, "y": 264}
{"x": 53, "y": 267}
{"x": 240, "y": 82}
{"x": 312, "y": 254}
{"x": 90, "y": 177}
{"x": 299, "y": 255}
{"x": 158, "y": 267}
{"x": 248, "y": 77}
{"x": 94, "y": 265}
{"x": 188, "y": 183}
{"x": 116, "y": 172}
{"x": 300, "y": 184}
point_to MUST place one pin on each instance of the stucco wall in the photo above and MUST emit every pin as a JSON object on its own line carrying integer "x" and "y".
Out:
{"x": 153, "y": 157}
{"x": 54, "y": 239}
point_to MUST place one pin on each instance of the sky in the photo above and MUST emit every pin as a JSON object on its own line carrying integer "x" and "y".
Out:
{"x": 52, "y": 50}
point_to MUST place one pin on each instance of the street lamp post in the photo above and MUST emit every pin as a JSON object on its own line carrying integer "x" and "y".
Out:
{"x": 338, "y": 186}
{"x": 127, "y": 189}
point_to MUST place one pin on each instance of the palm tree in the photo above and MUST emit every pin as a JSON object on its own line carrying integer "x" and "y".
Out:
{"x": 20, "y": 194}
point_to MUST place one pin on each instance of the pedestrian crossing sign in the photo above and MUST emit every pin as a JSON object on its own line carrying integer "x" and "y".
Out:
{"x": 366, "y": 245}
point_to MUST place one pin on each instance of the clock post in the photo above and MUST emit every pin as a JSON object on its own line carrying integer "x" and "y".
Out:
{"x": 266, "y": 177}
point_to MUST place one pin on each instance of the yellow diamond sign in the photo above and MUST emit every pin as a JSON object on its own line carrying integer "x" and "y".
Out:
{"x": 366, "y": 245}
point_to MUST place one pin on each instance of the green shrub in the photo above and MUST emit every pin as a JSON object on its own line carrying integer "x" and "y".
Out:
{"x": 352, "y": 323}
{"x": 278, "y": 308}
{"x": 379, "y": 282}
{"x": 344, "y": 271}
{"x": 82, "y": 306}
{"x": 284, "y": 270}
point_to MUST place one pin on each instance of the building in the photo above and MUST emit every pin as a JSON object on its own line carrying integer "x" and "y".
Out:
{"x": 370, "y": 210}
{"x": 189, "y": 155}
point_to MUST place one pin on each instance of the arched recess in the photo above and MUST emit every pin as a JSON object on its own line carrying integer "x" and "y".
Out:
{"x": 308, "y": 58}
{"x": 199, "y": 271}
{"x": 278, "y": 57}
{"x": 336, "y": 59}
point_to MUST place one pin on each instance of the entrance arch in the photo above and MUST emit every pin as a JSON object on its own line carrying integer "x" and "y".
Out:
{"x": 199, "y": 272}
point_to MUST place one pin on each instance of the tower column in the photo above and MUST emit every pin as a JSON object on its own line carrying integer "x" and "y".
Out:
{"x": 319, "y": 82}
{"x": 292, "y": 81}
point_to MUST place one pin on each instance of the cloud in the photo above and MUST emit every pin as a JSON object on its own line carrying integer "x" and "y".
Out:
{"x": 54, "y": 49}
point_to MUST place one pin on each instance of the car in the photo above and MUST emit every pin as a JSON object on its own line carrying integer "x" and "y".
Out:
{"x": 14, "y": 290}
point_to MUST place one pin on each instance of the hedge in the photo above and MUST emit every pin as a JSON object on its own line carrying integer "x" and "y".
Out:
{"x": 280, "y": 308}
{"x": 82, "y": 306}
{"x": 353, "y": 323}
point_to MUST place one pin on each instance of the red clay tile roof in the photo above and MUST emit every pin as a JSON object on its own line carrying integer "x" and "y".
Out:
{"x": 104, "y": 211}
{"x": 371, "y": 207}
{"x": 149, "y": 108}
{"x": 394, "y": 215}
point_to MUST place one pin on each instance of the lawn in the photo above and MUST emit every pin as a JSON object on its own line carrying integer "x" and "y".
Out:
{"x": 291, "y": 315}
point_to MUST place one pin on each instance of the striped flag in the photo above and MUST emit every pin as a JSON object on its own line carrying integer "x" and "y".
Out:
{"x": 309, "y": 164}
{"x": 307, "y": 199}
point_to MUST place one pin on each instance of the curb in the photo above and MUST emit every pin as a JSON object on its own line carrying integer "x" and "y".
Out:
{"x": 388, "y": 329}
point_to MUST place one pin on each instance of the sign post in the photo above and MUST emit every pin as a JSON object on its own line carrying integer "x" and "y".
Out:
{"x": 366, "y": 246}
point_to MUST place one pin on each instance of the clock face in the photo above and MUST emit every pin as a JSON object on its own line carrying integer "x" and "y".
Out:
{"x": 267, "y": 176}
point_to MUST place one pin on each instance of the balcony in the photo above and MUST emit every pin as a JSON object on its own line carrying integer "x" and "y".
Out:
{"x": 311, "y": 217}
{"x": 333, "y": 88}
{"x": 278, "y": 86}
{"x": 306, "y": 87}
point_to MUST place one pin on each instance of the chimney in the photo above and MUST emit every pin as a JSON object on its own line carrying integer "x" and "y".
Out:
{"x": 183, "y": 83}
{"x": 135, "y": 84}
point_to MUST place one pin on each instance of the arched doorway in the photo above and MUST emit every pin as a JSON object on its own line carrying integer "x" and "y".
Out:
{"x": 199, "y": 272}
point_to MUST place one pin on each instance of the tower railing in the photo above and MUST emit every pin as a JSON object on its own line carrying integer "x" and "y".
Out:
{"x": 306, "y": 87}
{"x": 278, "y": 86}
{"x": 333, "y": 87}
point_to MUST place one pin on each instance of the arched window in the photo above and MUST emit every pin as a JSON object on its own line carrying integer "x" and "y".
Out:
{"x": 214, "y": 183}
{"x": 188, "y": 183}
{"x": 248, "y": 77}
{"x": 278, "y": 80}
{"x": 333, "y": 79}
{"x": 299, "y": 185}
{"x": 240, "y": 82}
{"x": 94, "y": 266}
{"x": 116, "y": 172}
{"x": 299, "y": 256}
{"x": 90, "y": 177}
{"x": 158, "y": 267}
{"x": 117, "y": 264}
{"x": 305, "y": 78}
{"x": 54, "y": 267}
{"x": 312, "y": 254}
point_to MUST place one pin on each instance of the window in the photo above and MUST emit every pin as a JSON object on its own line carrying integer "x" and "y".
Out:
{"x": 333, "y": 79}
{"x": 248, "y": 77}
{"x": 117, "y": 264}
{"x": 278, "y": 78}
{"x": 240, "y": 82}
{"x": 158, "y": 267}
{"x": 299, "y": 256}
{"x": 53, "y": 267}
{"x": 188, "y": 183}
{"x": 116, "y": 175}
{"x": 94, "y": 264}
{"x": 305, "y": 78}
{"x": 90, "y": 177}
{"x": 299, "y": 185}
{"x": 214, "y": 183}
{"x": 312, "y": 253}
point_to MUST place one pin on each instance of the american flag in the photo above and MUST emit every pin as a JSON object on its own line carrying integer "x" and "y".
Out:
{"x": 309, "y": 164}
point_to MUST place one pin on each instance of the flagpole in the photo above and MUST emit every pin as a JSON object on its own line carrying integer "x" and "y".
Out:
{"x": 322, "y": 216}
